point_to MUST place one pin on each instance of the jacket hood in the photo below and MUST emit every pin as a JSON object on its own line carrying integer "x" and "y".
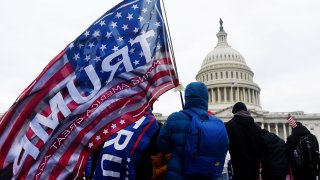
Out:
{"x": 196, "y": 95}
{"x": 268, "y": 136}
{"x": 300, "y": 130}
{"x": 244, "y": 118}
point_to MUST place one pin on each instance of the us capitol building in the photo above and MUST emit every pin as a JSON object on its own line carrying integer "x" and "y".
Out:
{"x": 229, "y": 80}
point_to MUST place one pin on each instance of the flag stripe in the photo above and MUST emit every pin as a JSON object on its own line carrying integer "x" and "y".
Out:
{"x": 140, "y": 136}
{"x": 26, "y": 93}
{"x": 23, "y": 112}
{"x": 51, "y": 69}
{"x": 27, "y": 111}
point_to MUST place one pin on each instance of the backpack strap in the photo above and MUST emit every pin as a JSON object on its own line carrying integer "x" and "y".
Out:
{"x": 190, "y": 112}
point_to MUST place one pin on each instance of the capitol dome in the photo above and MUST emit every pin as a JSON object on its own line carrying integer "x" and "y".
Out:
{"x": 228, "y": 78}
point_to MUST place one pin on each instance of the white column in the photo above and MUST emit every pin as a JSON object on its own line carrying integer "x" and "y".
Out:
{"x": 249, "y": 94}
{"x": 262, "y": 125}
{"x": 225, "y": 94}
{"x": 269, "y": 127}
{"x": 212, "y": 95}
{"x": 277, "y": 129}
{"x": 284, "y": 131}
{"x": 219, "y": 97}
{"x": 244, "y": 95}
{"x": 254, "y": 96}
{"x": 231, "y": 94}
{"x": 237, "y": 94}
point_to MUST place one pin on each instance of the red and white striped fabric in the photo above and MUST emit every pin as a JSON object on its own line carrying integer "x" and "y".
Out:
{"x": 291, "y": 121}
{"x": 102, "y": 82}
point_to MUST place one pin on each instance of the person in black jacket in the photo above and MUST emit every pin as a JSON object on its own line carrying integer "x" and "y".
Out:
{"x": 274, "y": 164}
{"x": 246, "y": 144}
{"x": 303, "y": 172}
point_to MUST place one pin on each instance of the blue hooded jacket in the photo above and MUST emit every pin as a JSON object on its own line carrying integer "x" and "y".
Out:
{"x": 173, "y": 133}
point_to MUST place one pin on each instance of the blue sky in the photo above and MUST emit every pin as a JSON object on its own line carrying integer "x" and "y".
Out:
{"x": 279, "y": 40}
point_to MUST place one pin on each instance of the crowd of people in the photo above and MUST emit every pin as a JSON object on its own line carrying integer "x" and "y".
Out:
{"x": 248, "y": 152}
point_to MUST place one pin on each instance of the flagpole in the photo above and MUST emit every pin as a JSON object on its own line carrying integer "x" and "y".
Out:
{"x": 171, "y": 49}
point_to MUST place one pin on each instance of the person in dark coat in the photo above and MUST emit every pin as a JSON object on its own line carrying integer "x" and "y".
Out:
{"x": 274, "y": 164}
{"x": 301, "y": 172}
{"x": 246, "y": 144}
{"x": 173, "y": 134}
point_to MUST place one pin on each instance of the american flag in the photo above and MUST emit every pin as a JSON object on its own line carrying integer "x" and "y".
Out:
{"x": 100, "y": 83}
{"x": 291, "y": 121}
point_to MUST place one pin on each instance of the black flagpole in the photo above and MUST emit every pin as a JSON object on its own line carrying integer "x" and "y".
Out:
{"x": 171, "y": 49}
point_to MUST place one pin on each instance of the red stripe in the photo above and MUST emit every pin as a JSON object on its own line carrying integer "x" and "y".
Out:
{"x": 28, "y": 110}
{"x": 141, "y": 134}
{"x": 26, "y": 92}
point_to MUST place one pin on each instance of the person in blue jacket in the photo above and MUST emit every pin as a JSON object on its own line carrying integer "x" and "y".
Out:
{"x": 173, "y": 134}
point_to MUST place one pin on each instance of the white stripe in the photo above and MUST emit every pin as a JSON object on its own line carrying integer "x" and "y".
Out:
{"x": 79, "y": 168}
{"x": 54, "y": 68}
{"x": 13, "y": 150}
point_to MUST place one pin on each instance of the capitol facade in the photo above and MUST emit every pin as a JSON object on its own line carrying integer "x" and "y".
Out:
{"x": 229, "y": 80}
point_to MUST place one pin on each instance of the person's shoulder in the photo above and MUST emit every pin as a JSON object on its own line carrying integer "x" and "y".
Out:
{"x": 256, "y": 125}
{"x": 314, "y": 136}
{"x": 228, "y": 123}
{"x": 176, "y": 116}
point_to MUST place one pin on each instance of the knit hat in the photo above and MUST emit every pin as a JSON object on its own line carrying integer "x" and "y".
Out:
{"x": 239, "y": 106}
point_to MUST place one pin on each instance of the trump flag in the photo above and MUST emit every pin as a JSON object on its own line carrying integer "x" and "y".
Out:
{"x": 100, "y": 83}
